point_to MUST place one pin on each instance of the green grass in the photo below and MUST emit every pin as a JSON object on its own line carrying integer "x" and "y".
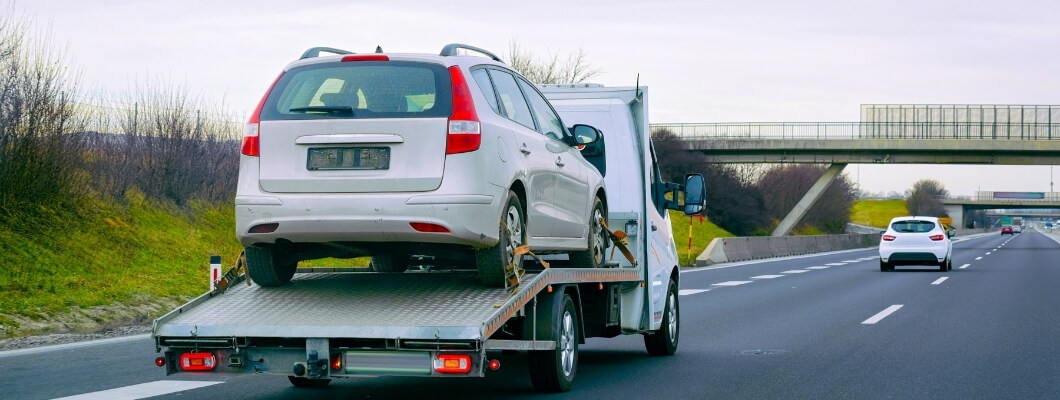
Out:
{"x": 877, "y": 213}
{"x": 702, "y": 234}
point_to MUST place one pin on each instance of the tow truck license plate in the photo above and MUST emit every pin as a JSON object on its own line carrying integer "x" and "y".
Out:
{"x": 348, "y": 158}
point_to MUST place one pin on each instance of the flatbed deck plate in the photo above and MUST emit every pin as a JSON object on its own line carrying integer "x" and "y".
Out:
{"x": 442, "y": 305}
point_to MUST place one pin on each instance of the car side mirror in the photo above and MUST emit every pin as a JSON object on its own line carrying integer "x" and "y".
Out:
{"x": 695, "y": 194}
{"x": 585, "y": 134}
{"x": 951, "y": 233}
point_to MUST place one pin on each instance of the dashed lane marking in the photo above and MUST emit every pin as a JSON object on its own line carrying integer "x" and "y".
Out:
{"x": 686, "y": 292}
{"x": 766, "y": 276}
{"x": 940, "y": 280}
{"x": 851, "y": 261}
{"x": 818, "y": 267}
{"x": 794, "y": 271}
{"x": 732, "y": 283}
{"x": 881, "y": 315}
{"x": 964, "y": 266}
{"x": 836, "y": 264}
{"x": 150, "y": 389}
{"x": 978, "y": 258}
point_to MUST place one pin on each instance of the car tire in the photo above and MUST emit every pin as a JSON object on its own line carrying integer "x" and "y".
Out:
{"x": 942, "y": 266}
{"x": 267, "y": 268}
{"x": 491, "y": 261}
{"x": 663, "y": 342}
{"x": 949, "y": 264}
{"x": 557, "y": 319}
{"x": 390, "y": 262}
{"x": 594, "y": 255}
{"x": 883, "y": 266}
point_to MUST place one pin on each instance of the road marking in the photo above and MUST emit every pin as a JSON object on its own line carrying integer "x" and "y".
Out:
{"x": 978, "y": 258}
{"x": 851, "y": 261}
{"x": 150, "y": 389}
{"x": 940, "y": 280}
{"x": 732, "y": 283}
{"x": 988, "y": 253}
{"x": 794, "y": 271}
{"x": 882, "y": 314}
{"x": 686, "y": 292}
{"x": 995, "y": 249}
{"x": 766, "y": 276}
{"x": 818, "y": 267}
{"x": 964, "y": 266}
{"x": 835, "y": 264}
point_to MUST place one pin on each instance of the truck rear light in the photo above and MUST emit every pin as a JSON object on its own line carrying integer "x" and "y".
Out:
{"x": 160, "y": 361}
{"x": 200, "y": 361}
{"x": 427, "y": 227}
{"x": 465, "y": 133}
{"x": 366, "y": 57}
{"x": 265, "y": 228}
{"x": 452, "y": 363}
{"x": 251, "y": 145}
{"x": 937, "y": 237}
{"x": 888, "y": 238}
{"x": 336, "y": 361}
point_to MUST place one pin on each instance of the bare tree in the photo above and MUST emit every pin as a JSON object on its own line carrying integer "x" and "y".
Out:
{"x": 784, "y": 185}
{"x": 926, "y": 199}
{"x": 574, "y": 68}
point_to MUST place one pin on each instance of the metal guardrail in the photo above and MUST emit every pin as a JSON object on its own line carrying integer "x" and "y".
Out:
{"x": 865, "y": 130}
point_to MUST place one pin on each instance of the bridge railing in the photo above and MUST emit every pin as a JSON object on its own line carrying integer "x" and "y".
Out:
{"x": 865, "y": 130}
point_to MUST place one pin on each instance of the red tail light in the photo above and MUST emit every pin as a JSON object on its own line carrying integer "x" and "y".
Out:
{"x": 888, "y": 238}
{"x": 251, "y": 144}
{"x": 937, "y": 237}
{"x": 202, "y": 361}
{"x": 366, "y": 57}
{"x": 452, "y": 363}
{"x": 425, "y": 227}
{"x": 464, "y": 128}
{"x": 336, "y": 361}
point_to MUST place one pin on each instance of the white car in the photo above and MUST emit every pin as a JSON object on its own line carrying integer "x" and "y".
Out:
{"x": 916, "y": 241}
{"x": 392, "y": 155}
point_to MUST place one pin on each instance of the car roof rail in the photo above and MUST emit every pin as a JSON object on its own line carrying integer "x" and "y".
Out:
{"x": 315, "y": 52}
{"x": 450, "y": 50}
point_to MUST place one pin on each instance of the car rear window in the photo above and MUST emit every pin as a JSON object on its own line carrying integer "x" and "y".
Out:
{"x": 361, "y": 89}
{"x": 913, "y": 226}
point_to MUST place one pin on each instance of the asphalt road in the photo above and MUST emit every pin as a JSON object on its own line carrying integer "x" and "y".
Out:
{"x": 813, "y": 327}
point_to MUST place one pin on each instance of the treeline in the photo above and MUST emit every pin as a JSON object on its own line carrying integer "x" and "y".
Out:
{"x": 752, "y": 200}
{"x": 54, "y": 149}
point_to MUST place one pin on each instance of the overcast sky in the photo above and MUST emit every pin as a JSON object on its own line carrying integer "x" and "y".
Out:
{"x": 704, "y": 61}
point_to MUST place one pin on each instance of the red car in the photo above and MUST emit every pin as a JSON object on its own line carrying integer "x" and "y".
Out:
{"x": 1006, "y": 229}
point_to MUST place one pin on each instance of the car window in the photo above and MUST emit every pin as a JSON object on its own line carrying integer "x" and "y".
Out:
{"x": 513, "y": 105}
{"x": 486, "y": 86}
{"x": 548, "y": 122}
{"x": 913, "y": 226}
{"x": 366, "y": 89}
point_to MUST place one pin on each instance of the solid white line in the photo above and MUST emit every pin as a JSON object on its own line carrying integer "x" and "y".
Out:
{"x": 150, "y": 389}
{"x": 686, "y": 292}
{"x": 68, "y": 346}
{"x": 978, "y": 258}
{"x": 732, "y": 283}
{"x": 940, "y": 280}
{"x": 766, "y": 276}
{"x": 836, "y": 264}
{"x": 818, "y": 267}
{"x": 964, "y": 266}
{"x": 882, "y": 314}
{"x": 794, "y": 271}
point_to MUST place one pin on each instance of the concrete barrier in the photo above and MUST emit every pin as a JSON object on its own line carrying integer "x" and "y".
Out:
{"x": 729, "y": 249}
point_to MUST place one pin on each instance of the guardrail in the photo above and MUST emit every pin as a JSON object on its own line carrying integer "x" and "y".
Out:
{"x": 865, "y": 130}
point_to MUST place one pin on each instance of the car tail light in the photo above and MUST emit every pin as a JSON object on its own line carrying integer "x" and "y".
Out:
{"x": 201, "y": 361}
{"x": 465, "y": 133}
{"x": 251, "y": 144}
{"x": 365, "y": 57}
{"x": 426, "y": 227}
{"x": 937, "y": 237}
{"x": 452, "y": 363}
{"x": 265, "y": 228}
{"x": 888, "y": 238}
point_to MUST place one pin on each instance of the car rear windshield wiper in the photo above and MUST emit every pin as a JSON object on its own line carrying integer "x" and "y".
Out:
{"x": 327, "y": 109}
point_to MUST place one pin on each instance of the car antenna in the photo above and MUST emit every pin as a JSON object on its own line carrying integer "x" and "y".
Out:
{"x": 378, "y": 49}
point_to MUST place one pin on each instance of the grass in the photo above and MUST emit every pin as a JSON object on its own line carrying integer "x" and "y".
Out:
{"x": 877, "y": 213}
{"x": 702, "y": 233}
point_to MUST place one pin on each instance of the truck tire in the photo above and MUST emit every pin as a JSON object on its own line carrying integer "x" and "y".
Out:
{"x": 663, "y": 342}
{"x": 301, "y": 382}
{"x": 491, "y": 261}
{"x": 266, "y": 269}
{"x": 594, "y": 254}
{"x": 391, "y": 262}
{"x": 557, "y": 319}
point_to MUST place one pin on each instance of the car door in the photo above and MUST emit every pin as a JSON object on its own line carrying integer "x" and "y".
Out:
{"x": 534, "y": 150}
{"x": 571, "y": 199}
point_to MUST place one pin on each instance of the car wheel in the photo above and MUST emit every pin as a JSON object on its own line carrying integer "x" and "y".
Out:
{"x": 663, "y": 342}
{"x": 949, "y": 264}
{"x": 491, "y": 261}
{"x": 942, "y": 266}
{"x": 267, "y": 268}
{"x": 594, "y": 254}
{"x": 391, "y": 262}
{"x": 557, "y": 319}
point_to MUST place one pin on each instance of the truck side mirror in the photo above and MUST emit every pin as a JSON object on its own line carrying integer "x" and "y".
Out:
{"x": 695, "y": 194}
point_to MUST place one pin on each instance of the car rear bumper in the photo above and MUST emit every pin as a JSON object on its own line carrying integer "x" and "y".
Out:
{"x": 918, "y": 256}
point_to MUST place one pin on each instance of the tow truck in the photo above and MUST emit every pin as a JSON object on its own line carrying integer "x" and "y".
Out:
{"x": 433, "y": 322}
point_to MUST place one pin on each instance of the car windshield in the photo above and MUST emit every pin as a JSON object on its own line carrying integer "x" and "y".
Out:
{"x": 913, "y": 226}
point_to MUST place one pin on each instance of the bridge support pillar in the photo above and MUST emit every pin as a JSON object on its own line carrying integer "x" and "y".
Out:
{"x": 956, "y": 213}
{"x": 808, "y": 200}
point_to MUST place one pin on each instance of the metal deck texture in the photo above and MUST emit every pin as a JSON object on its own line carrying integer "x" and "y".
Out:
{"x": 442, "y": 305}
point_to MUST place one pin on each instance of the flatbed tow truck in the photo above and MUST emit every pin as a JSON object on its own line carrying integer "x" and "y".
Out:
{"x": 327, "y": 324}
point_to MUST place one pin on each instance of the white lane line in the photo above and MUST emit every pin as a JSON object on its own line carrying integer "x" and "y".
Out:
{"x": 978, "y": 258}
{"x": 150, "y": 389}
{"x": 732, "y": 283}
{"x": 995, "y": 249}
{"x": 964, "y": 266}
{"x": 818, "y": 267}
{"x": 835, "y": 264}
{"x": 766, "y": 276}
{"x": 686, "y": 292}
{"x": 882, "y": 314}
{"x": 988, "y": 253}
{"x": 794, "y": 271}
{"x": 851, "y": 261}
{"x": 940, "y": 280}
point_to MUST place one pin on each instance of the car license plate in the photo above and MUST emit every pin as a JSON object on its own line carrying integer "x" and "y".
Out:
{"x": 348, "y": 158}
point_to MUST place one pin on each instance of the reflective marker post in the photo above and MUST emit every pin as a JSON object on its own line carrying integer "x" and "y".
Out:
{"x": 215, "y": 271}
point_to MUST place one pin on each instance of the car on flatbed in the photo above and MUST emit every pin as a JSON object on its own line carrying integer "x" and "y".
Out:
{"x": 916, "y": 240}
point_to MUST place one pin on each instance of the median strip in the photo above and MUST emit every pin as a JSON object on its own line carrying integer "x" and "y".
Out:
{"x": 882, "y": 314}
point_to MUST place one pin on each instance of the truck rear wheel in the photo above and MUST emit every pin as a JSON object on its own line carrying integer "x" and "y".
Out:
{"x": 593, "y": 256}
{"x": 391, "y": 262}
{"x": 557, "y": 319}
{"x": 491, "y": 261}
{"x": 663, "y": 342}
{"x": 266, "y": 268}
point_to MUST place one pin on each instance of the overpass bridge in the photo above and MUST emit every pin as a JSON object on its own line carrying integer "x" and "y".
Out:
{"x": 887, "y": 134}
{"x": 1015, "y": 204}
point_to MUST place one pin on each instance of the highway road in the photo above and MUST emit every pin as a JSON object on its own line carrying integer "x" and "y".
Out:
{"x": 828, "y": 326}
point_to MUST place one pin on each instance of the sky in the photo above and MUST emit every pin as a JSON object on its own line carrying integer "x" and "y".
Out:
{"x": 703, "y": 60}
